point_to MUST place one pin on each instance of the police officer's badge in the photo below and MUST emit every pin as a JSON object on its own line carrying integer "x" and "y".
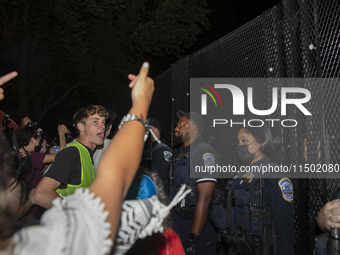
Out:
{"x": 286, "y": 187}
{"x": 167, "y": 155}
{"x": 209, "y": 159}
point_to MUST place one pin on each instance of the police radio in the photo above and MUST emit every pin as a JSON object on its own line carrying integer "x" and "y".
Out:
{"x": 333, "y": 244}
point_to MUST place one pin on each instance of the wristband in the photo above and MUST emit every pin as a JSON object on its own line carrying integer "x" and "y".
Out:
{"x": 130, "y": 117}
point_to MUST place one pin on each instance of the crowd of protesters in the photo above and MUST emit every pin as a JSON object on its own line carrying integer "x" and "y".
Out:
{"x": 90, "y": 194}
{"x": 77, "y": 204}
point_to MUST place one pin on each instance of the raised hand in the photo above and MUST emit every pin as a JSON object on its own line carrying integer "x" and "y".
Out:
{"x": 142, "y": 86}
{"x": 5, "y": 79}
{"x": 62, "y": 129}
{"x": 24, "y": 122}
{"x": 329, "y": 216}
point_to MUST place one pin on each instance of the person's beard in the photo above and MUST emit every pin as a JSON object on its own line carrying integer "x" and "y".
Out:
{"x": 180, "y": 138}
{"x": 177, "y": 141}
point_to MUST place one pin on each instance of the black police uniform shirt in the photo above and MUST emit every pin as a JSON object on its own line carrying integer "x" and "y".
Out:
{"x": 66, "y": 167}
{"x": 201, "y": 156}
{"x": 278, "y": 198}
{"x": 161, "y": 155}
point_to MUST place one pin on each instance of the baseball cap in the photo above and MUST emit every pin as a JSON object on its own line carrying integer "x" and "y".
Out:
{"x": 195, "y": 117}
{"x": 155, "y": 123}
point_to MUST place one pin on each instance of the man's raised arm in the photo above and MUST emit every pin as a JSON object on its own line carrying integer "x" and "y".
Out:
{"x": 120, "y": 162}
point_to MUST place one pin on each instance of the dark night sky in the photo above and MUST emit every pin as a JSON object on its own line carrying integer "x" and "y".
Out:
{"x": 226, "y": 16}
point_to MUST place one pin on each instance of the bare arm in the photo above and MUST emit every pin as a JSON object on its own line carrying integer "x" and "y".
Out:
{"x": 15, "y": 210}
{"x": 4, "y": 79}
{"x": 120, "y": 162}
{"x": 45, "y": 192}
{"x": 62, "y": 129}
{"x": 205, "y": 191}
{"x": 23, "y": 123}
{"x": 329, "y": 216}
{"x": 49, "y": 158}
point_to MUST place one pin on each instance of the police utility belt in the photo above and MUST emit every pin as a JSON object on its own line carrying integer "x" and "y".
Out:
{"x": 186, "y": 208}
{"x": 240, "y": 242}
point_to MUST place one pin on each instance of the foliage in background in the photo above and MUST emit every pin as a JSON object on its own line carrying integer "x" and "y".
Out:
{"x": 72, "y": 53}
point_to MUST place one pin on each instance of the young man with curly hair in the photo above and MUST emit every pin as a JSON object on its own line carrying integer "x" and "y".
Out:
{"x": 73, "y": 166}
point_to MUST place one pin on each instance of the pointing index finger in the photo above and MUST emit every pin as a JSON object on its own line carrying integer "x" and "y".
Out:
{"x": 143, "y": 73}
{"x": 7, "y": 77}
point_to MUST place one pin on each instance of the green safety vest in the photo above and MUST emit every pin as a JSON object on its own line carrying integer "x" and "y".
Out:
{"x": 87, "y": 171}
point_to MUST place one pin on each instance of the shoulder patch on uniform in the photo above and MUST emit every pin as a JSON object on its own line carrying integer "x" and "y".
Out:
{"x": 286, "y": 187}
{"x": 167, "y": 155}
{"x": 209, "y": 159}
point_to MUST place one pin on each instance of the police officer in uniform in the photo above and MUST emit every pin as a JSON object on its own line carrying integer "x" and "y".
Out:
{"x": 161, "y": 154}
{"x": 190, "y": 217}
{"x": 259, "y": 209}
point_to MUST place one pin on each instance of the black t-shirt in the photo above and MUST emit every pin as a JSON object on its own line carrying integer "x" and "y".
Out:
{"x": 66, "y": 168}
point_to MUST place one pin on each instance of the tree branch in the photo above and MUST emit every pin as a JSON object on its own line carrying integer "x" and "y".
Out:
{"x": 56, "y": 102}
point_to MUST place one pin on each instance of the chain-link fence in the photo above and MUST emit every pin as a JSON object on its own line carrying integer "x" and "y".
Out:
{"x": 294, "y": 39}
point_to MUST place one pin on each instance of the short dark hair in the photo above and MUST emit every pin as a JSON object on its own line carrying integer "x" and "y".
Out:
{"x": 81, "y": 115}
{"x": 24, "y": 135}
{"x": 267, "y": 138}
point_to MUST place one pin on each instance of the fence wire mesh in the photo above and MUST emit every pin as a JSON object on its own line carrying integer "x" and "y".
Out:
{"x": 294, "y": 39}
